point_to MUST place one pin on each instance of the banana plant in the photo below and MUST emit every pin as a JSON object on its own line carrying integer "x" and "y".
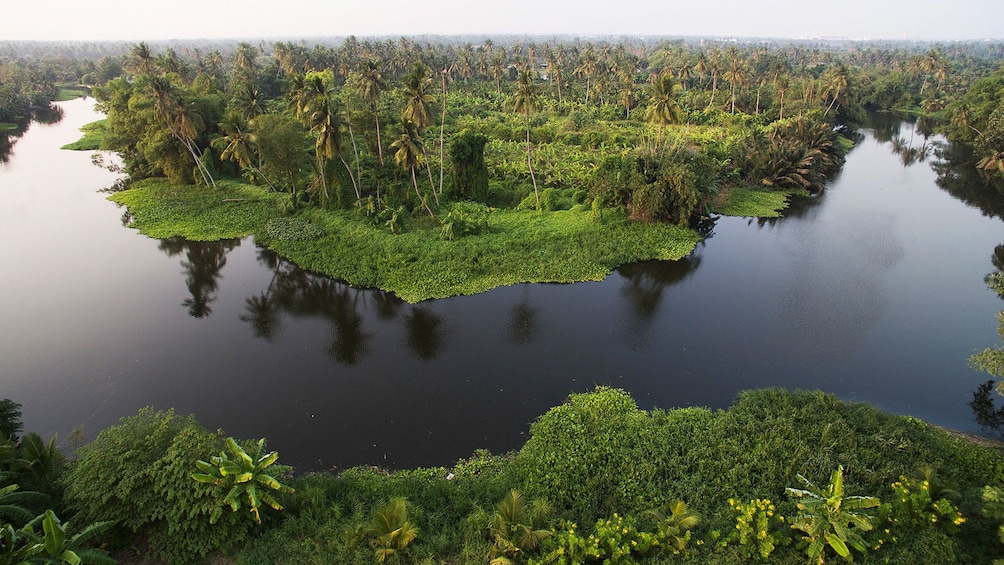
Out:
{"x": 249, "y": 476}
{"x": 830, "y": 519}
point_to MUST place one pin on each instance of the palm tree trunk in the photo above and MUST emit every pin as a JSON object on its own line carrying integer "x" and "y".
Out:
{"x": 324, "y": 181}
{"x": 420, "y": 199}
{"x": 379, "y": 146}
{"x": 432, "y": 185}
{"x": 529, "y": 165}
{"x": 352, "y": 178}
{"x": 781, "y": 117}
{"x": 442, "y": 128}
{"x": 355, "y": 149}
{"x": 714, "y": 89}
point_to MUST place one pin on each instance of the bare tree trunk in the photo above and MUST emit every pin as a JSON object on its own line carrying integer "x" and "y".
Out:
{"x": 529, "y": 165}
{"x": 379, "y": 146}
{"x": 420, "y": 199}
{"x": 442, "y": 128}
{"x": 352, "y": 178}
{"x": 432, "y": 185}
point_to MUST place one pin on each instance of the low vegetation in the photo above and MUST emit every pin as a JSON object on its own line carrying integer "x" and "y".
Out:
{"x": 778, "y": 477}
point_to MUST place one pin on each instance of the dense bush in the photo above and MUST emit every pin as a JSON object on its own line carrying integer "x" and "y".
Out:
{"x": 139, "y": 475}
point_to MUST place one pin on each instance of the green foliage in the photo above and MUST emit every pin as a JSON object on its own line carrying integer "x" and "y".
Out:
{"x": 613, "y": 541}
{"x": 830, "y": 519}
{"x": 757, "y": 527}
{"x": 588, "y": 454}
{"x": 756, "y": 203}
{"x": 465, "y": 218}
{"x": 564, "y": 246}
{"x": 138, "y": 475}
{"x": 517, "y": 528}
{"x": 993, "y": 508}
{"x": 390, "y": 532}
{"x": 470, "y": 174}
{"x": 94, "y": 133}
{"x": 10, "y": 419}
{"x": 673, "y": 527}
{"x": 245, "y": 476}
{"x": 914, "y": 508}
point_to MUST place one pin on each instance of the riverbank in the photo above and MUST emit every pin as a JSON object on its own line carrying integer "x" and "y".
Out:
{"x": 597, "y": 460}
{"x": 562, "y": 246}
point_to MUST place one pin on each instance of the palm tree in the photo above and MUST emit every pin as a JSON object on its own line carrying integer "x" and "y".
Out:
{"x": 409, "y": 155}
{"x": 782, "y": 84}
{"x": 445, "y": 74}
{"x": 372, "y": 86}
{"x": 182, "y": 120}
{"x": 517, "y": 528}
{"x": 736, "y": 74}
{"x": 837, "y": 86}
{"x": 390, "y": 529}
{"x": 525, "y": 102}
{"x": 665, "y": 108}
{"x": 140, "y": 60}
{"x": 326, "y": 119}
{"x": 237, "y": 145}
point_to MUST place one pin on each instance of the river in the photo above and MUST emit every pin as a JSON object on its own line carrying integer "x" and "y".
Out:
{"x": 873, "y": 291}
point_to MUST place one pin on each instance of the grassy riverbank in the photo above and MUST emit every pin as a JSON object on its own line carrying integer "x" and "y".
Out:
{"x": 601, "y": 463}
{"x": 419, "y": 263}
{"x": 93, "y": 132}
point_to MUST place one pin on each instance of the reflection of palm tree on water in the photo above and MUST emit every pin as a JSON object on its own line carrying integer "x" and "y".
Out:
{"x": 203, "y": 265}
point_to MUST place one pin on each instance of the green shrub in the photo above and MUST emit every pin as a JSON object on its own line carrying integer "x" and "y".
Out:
{"x": 138, "y": 474}
{"x": 589, "y": 455}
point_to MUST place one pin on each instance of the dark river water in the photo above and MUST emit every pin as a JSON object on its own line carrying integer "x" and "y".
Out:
{"x": 873, "y": 291}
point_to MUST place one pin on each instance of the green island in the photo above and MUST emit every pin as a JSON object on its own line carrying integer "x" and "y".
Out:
{"x": 548, "y": 162}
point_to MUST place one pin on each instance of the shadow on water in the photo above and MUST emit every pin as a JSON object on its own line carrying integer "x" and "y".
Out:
{"x": 646, "y": 282}
{"x": 299, "y": 293}
{"x": 203, "y": 263}
{"x": 9, "y": 138}
{"x": 988, "y": 415}
{"x": 957, "y": 174}
{"x": 523, "y": 318}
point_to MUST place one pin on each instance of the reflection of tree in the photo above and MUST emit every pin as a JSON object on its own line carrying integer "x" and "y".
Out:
{"x": 9, "y": 138}
{"x": 523, "y": 319}
{"x": 48, "y": 115}
{"x": 988, "y": 416}
{"x": 300, "y": 293}
{"x": 959, "y": 177}
{"x": 204, "y": 261}
{"x": 646, "y": 282}
{"x": 425, "y": 330}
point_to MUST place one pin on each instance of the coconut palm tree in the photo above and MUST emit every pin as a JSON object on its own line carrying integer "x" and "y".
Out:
{"x": 326, "y": 118}
{"x": 409, "y": 155}
{"x": 736, "y": 75}
{"x": 182, "y": 120}
{"x": 525, "y": 102}
{"x": 237, "y": 144}
{"x": 371, "y": 87}
{"x": 665, "y": 108}
{"x": 837, "y": 86}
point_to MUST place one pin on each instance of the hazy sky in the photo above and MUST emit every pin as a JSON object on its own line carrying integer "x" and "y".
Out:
{"x": 182, "y": 19}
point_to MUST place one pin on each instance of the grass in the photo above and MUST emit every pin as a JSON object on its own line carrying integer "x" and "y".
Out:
{"x": 91, "y": 140}
{"x": 756, "y": 203}
{"x": 562, "y": 246}
{"x": 69, "y": 94}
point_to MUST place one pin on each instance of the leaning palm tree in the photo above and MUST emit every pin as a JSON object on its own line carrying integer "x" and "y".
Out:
{"x": 837, "y": 86}
{"x": 665, "y": 108}
{"x": 409, "y": 155}
{"x": 525, "y": 101}
{"x": 182, "y": 120}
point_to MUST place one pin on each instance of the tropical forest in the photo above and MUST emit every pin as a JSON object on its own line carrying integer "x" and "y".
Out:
{"x": 365, "y": 191}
